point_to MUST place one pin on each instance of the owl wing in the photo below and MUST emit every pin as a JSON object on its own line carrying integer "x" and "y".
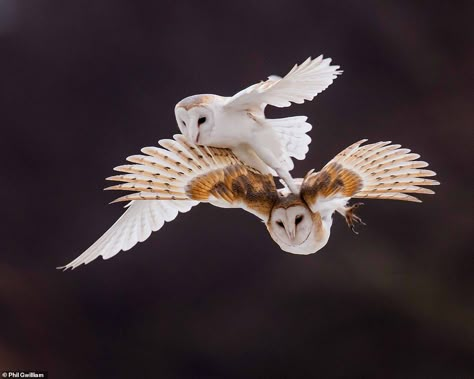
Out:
{"x": 302, "y": 83}
{"x": 376, "y": 171}
{"x": 173, "y": 179}
{"x": 135, "y": 225}
{"x": 185, "y": 171}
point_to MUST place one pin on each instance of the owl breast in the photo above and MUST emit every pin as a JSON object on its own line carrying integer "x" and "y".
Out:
{"x": 231, "y": 128}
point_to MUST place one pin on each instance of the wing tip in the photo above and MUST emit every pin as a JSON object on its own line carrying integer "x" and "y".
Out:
{"x": 70, "y": 266}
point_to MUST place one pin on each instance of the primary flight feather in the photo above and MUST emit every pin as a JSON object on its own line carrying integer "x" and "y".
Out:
{"x": 180, "y": 174}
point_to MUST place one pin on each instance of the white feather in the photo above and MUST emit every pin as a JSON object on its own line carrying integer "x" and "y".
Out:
{"x": 302, "y": 83}
{"x": 292, "y": 134}
{"x": 239, "y": 122}
{"x": 137, "y": 223}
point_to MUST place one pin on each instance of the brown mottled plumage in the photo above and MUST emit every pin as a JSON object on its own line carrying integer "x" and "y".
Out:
{"x": 185, "y": 171}
{"x": 333, "y": 179}
{"x": 378, "y": 171}
{"x": 236, "y": 184}
{"x": 177, "y": 176}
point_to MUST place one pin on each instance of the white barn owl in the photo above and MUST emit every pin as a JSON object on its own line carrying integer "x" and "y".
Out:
{"x": 180, "y": 175}
{"x": 239, "y": 122}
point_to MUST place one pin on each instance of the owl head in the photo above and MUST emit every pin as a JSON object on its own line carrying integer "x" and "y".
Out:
{"x": 195, "y": 116}
{"x": 295, "y": 228}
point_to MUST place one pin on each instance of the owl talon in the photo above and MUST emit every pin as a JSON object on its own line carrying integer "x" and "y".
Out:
{"x": 351, "y": 218}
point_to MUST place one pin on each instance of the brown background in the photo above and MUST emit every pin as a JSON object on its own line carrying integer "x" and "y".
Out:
{"x": 83, "y": 84}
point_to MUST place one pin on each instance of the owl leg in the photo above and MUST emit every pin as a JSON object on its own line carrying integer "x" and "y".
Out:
{"x": 288, "y": 179}
{"x": 275, "y": 162}
{"x": 267, "y": 146}
{"x": 351, "y": 218}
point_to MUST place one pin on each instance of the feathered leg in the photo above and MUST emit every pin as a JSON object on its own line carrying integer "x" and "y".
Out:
{"x": 268, "y": 148}
{"x": 270, "y": 159}
{"x": 288, "y": 179}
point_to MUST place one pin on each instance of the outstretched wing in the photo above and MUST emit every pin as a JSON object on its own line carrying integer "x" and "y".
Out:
{"x": 377, "y": 171}
{"x": 135, "y": 225}
{"x": 200, "y": 173}
{"x": 173, "y": 179}
{"x": 302, "y": 83}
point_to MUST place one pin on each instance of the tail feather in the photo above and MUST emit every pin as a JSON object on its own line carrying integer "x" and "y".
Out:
{"x": 292, "y": 134}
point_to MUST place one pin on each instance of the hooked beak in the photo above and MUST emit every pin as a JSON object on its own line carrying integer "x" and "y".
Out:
{"x": 291, "y": 232}
{"x": 193, "y": 132}
{"x": 194, "y": 136}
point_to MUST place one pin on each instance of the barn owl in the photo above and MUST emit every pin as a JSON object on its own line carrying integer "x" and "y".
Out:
{"x": 179, "y": 175}
{"x": 239, "y": 122}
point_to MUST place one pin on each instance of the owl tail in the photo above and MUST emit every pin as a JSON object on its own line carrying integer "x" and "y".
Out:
{"x": 383, "y": 171}
{"x": 291, "y": 132}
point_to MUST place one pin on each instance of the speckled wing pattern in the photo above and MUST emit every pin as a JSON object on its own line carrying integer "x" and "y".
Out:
{"x": 302, "y": 83}
{"x": 184, "y": 171}
{"x": 377, "y": 171}
{"x": 173, "y": 179}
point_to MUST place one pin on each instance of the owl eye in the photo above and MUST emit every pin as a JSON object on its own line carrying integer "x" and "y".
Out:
{"x": 298, "y": 219}
{"x": 280, "y": 224}
{"x": 184, "y": 124}
{"x": 201, "y": 120}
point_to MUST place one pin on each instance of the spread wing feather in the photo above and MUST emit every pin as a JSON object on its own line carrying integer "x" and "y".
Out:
{"x": 173, "y": 178}
{"x": 302, "y": 83}
{"x": 137, "y": 223}
{"x": 292, "y": 134}
{"x": 377, "y": 171}
{"x": 184, "y": 171}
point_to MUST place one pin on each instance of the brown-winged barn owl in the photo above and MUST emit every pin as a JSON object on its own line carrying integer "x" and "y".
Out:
{"x": 179, "y": 175}
{"x": 238, "y": 122}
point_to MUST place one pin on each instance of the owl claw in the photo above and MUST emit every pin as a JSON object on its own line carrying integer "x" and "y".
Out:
{"x": 351, "y": 218}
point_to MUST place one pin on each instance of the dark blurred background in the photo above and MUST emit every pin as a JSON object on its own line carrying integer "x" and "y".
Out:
{"x": 84, "y": 84}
